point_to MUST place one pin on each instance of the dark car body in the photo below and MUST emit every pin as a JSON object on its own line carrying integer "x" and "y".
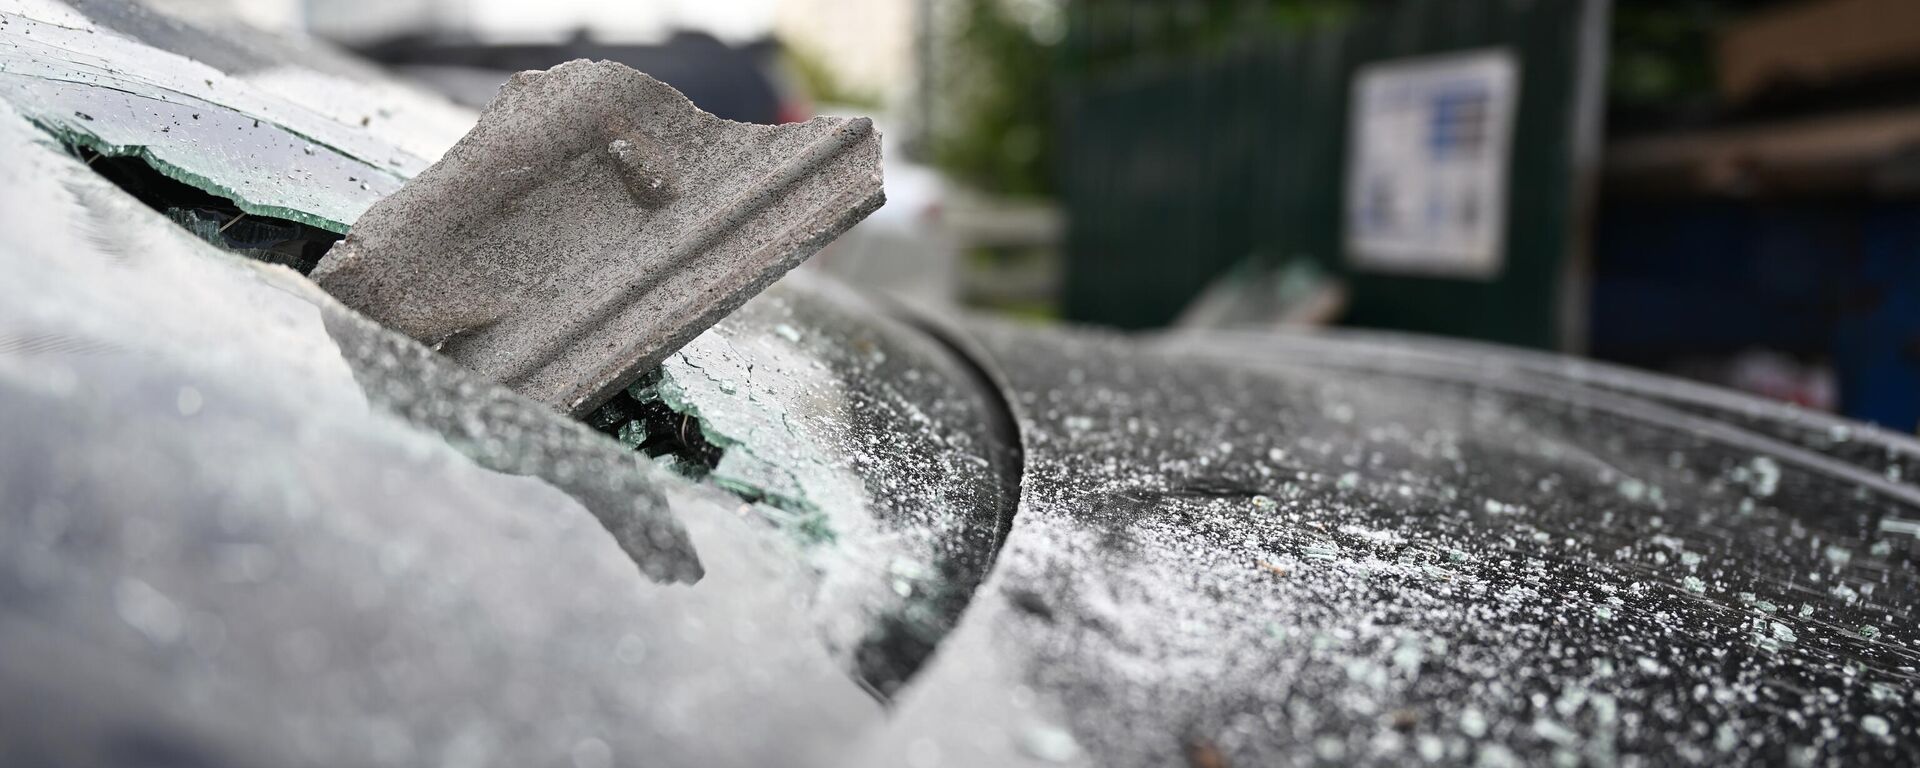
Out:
{"x": 734, "y": 82}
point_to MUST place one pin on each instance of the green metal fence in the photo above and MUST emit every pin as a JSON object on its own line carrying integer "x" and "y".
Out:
{"x": 1175, "y": 168}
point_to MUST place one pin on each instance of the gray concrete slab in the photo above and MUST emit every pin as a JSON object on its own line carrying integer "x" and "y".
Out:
{"x": 592, "y": 223}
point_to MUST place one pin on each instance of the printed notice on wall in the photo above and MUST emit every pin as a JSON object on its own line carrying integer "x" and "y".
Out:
{"x": 1427, "y": 174}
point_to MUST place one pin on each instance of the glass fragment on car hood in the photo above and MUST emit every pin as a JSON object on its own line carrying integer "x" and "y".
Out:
{"x": 865, "y": 442}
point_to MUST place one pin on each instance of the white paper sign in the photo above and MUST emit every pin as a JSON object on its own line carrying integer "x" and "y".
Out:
{"x": 1427, "y": 174}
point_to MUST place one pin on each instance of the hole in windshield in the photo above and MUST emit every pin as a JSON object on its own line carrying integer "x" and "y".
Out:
{"x": 211, "y": 217}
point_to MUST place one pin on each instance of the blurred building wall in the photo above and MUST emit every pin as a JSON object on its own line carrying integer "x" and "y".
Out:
{"x": 273, "y": 15}
{"x": 355, "y": 21}
{"x": 867, "y": 43}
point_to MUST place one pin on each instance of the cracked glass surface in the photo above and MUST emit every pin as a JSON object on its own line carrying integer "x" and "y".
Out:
{"x": 266, "y": 378}
{"x": 109, "y": 94}
{"x": 888, "y": 456}
{"x": 242, "y": 525}
{"x": 867, "y": 444}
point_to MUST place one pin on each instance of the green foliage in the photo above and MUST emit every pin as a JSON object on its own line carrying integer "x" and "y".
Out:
{"x": 995, "y": 89}
{"x": 1663, "y": 52}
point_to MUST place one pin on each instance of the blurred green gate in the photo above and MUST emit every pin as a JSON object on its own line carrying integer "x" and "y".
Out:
{"x": 1175, "y": 168}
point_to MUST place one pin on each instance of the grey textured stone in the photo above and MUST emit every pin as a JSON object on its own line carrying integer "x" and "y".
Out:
{"x": 592, "y": 223}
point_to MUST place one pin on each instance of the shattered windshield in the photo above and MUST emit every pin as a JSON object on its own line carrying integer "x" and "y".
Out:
{"x": 246, "y": 524}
